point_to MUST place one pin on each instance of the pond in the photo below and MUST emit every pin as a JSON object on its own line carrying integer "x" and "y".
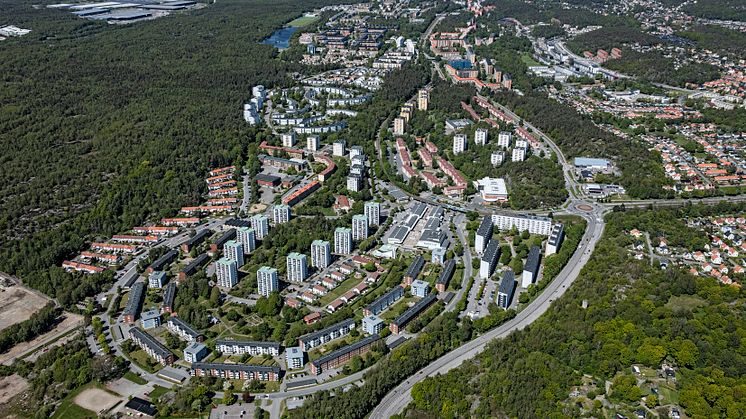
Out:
{"x": 280, "y": 38}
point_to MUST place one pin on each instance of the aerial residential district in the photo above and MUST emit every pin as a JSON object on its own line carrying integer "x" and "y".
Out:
{"x": 436, "y": 187}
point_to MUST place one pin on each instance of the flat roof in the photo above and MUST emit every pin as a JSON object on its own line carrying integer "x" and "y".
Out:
{"x": 325, "y": 331}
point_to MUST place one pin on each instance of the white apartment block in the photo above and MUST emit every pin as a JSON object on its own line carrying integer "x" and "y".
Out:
{"x": 233, "y": 250}
{"x": 281, "y": 214}
{"x": 519, "y": 154}
{"x": 521, "y": 143}
{"x": 266, "y": 280}
{"x": 497, "y": 158}
{"x": 313, "y": 143}
{"x": 288, "y": 139}
{"x": 260, "y": 224}
{"x": 235, "y": 347}
{"x": 504, "y": 139}
{"x": 373, "y": 212}
{"x": 339, "y": 148}
{"x": 297, "y": 267}
{"x": 480, "y": 136}
{"x": 534, "y": 224}
{"x": 320, "y": 254}
{"x": 343, "y": 240}
{"x": 245, "y": 235}
{"x": 359, "y": 227}
{"x": 459, "y": 143}
{"x": 226, "y": 271}
{"x": 399, "y": 126}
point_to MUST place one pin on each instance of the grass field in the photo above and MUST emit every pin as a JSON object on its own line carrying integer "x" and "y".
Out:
{"x": 69, "y": 410}
{"x": 303, "y": 21}
{"x": 528, "y": 60}
{"x": 135, "y": 378}
{"x": 668, "y": 395}
{"x": 158, "y": 391}
{"x": 345, "y": 286}
{"x": 140, "y": 358}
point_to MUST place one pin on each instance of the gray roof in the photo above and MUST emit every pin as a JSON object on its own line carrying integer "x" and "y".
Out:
{"x": 150, "y": 342}
{"x": 314, "y": 335}
{"x": 237, "y": 222}
{"x": 448, "y": 269}
{"x": 415, "y": 310}
{"x": 186, "y": 327}
{"x": 556, "y": 234}
{"x": 169, "y": 294}
{"x": 195, "y": 264}
{"x": 228, "y": 235}
{"x": 419, "y": 209}
{"x": 164, "y": 260}
{"x": 347, "y": 349}
{"x": 235, "y": 367}
{"x": 415, "y": 267}
{"x": 135, "y": 299}
{"x": 485, "y": 227}
{"x": 492, "y": 252}
{"x": 399, "y": 233}
{"x": 507, "y": 284}
{"x": 533, "y": 259}
{"x": 395, "y": 293}
{"x": 198, "y": 238}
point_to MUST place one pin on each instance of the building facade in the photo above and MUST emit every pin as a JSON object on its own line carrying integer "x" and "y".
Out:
{"x": 267, "y": 282}
{"x": 297, "y": 267}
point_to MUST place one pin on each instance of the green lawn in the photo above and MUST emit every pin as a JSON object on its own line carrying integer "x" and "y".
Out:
{"x": 397, "y": 309}
{"x": 158, "y": 391}
{"x": 69, "y": 410}
{"x": 345, "y": 286}
{"x": 668, "y": 395}
{"x": 303, "y": 21}
{"x": 140, "y": 358}
{"x": 135, "y": 378}
{"x": 528, "y": 60}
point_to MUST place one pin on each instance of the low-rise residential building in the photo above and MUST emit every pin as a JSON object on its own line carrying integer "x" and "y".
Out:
{"x": 414, "y": 269}
{"x": 343, "y": 355}
{"x": 184, "y": 330}
{"x": 134, "y": 303}
{"x": 335, "y": 331}
{"x": 169, "y": 294}
{"x": 150, "y": 319}
{"x": 193, "y": 266}
{"x": 151, "y": 346}
{"x": 240, "y": 347}
{"x": 383, "y": 302}
{"x": 402, "y": 321}
{"x": 449, "y": 268}
{"x": 294, "y": 358}
{"x": 195, "y": 352}
{"x": 372, "y": 324}
{"x": 236, "y": 371}
{"x": 420, "y": 288}
{"x": 156, "y": 279}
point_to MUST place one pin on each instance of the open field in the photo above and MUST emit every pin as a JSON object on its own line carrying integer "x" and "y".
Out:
{"x": 96, "y": 400}
{"x": 11, "y": 386}
{"x": 303, "y": 21}
{"x": 68, "y": 324}
{"x": 18, "y": 304}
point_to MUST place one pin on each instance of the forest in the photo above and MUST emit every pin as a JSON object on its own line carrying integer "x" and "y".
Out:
{"x": 577, "y": 136}
{"x": 124, "y": 120}
{"x": 637, "y": 314}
